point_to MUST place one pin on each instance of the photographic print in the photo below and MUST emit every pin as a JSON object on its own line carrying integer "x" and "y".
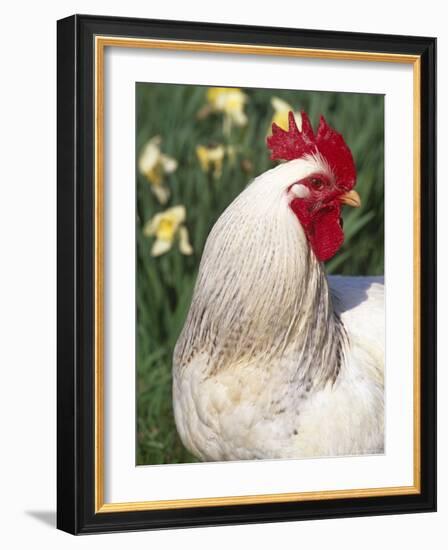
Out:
{"x": 246, "y": 274}
{"x": 259, "y": 276}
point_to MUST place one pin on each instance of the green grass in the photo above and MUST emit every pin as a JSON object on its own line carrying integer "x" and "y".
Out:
{"x": 165, "y": 283}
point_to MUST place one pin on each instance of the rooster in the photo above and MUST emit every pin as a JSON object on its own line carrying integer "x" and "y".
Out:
{"x": 277, "y": 360}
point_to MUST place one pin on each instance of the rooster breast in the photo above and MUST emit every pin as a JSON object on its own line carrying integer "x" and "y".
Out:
{"x": 248, "y": 411}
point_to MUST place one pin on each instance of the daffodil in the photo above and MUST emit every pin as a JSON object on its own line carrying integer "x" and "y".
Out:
{"x": 167, "y": 227}
{"x": 153, "y": 164}
{"x": 211, "y": 157}
{"x": 230, "y": 102}
{"x": 281, "y": 112}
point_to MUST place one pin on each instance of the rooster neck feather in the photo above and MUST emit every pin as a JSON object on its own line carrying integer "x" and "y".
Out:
{"x": 260, "y": 291}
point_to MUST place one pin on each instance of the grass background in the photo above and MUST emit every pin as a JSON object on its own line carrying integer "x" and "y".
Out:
{"x": 165, "y": 284}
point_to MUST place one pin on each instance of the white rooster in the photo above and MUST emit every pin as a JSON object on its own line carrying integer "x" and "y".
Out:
{"x": 275, "y": 359}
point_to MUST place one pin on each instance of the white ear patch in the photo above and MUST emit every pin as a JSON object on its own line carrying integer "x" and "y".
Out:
{"x": 300, "y": 191}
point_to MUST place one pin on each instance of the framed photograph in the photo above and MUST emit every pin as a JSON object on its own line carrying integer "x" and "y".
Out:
{"x": 246, "y": 274}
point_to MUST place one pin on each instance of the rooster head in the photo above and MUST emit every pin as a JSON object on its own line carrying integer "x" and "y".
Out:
{"x": 317, "y": 198}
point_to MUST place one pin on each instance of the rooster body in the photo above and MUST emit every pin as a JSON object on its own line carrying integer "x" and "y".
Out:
{"x": 276, "y": 360}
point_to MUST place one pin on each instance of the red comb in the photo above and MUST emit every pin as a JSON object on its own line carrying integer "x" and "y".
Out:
{"x": 294, "y": 144}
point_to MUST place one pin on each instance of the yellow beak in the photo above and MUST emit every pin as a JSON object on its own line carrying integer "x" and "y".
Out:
{"x": 351, "y": 198}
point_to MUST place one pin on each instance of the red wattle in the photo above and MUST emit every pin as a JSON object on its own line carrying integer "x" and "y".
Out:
{"x": 322, "y": 227}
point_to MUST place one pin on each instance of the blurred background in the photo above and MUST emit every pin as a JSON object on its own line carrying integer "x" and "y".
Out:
{"x": 196, "y": 149}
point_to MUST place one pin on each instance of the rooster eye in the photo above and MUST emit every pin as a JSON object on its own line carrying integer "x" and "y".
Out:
{"x": 317, "y": 183}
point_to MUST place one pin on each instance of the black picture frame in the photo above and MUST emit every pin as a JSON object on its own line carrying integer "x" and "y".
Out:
{"x": 76, "y": 271}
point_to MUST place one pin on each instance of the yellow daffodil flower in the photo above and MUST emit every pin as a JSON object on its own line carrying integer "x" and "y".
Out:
{"x": 211, "y": 157}
{"x": 153, "y": 164}
{"x": 281, "y": 112}
{"x": 166, "y": 227}
{"x": 230, "y": 102}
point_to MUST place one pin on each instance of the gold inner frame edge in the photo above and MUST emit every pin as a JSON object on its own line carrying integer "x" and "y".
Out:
{"x": 101, "y": 42}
